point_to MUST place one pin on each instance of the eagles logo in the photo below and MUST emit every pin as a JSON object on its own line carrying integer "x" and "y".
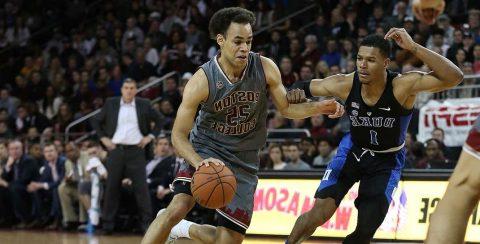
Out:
{"x": 219, "y": 84}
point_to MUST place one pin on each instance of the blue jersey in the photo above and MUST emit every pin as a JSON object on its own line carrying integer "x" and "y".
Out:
{"x": 379, "y": 127}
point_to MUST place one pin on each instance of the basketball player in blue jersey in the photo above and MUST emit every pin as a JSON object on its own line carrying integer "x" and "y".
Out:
{"x": 449, "y": 221}
{"x": 379, "y": 104}
{"x": 231, "y": 90}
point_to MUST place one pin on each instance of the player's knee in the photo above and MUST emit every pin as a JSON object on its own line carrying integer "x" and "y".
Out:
{"x": 177, "y": 212}
{"x": 322, "y": 210}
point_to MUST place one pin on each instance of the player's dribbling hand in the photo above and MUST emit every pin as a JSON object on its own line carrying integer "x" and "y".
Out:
{"x": 332, "y": 108}
{"x": 209, "y": 161}
{"x": 401, "y": 37}
{"x": 296, "y": 96}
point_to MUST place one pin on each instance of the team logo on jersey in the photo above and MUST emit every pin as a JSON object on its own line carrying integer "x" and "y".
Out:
{"x": 219, "y": 84}
{"x": 355, "y": 105}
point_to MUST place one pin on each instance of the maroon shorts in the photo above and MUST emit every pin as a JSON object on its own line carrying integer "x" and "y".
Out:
{"x": 238, "y": 213}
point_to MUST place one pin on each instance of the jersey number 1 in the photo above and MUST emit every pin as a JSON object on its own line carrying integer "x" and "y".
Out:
{"x": 373, "y": 137}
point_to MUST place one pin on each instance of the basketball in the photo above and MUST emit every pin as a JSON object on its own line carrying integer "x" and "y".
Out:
{"x": 427, "y": 11}
{"x": 213, "y": 186}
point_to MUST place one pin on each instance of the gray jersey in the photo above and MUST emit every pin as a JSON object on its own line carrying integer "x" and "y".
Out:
{"x": 232, "y": 122}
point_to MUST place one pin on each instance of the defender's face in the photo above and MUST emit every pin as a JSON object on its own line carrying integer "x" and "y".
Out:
{"x": 236, "y": 44}
{"x": 370, "y": 64}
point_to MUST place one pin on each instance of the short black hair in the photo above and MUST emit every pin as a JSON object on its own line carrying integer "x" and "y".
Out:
{"x": 222, "y": 19}
{"x": 378, "y": 42}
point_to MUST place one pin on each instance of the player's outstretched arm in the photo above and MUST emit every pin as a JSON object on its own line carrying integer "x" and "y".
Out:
{"x": 449, "y": 221}
{"x": 338, "y": 86}
{"x": 444, "y": 73}
{"x": 196, "y": 91}
{"x": 300, "y": 110}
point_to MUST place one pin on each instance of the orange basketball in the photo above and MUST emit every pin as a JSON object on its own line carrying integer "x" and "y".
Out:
{"x": 213, "y": 186}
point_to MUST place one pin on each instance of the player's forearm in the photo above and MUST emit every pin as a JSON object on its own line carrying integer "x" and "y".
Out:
{"x": 185, "y": 149}
{"x": 301, "y": 110}
{"x": 443, "y": 68}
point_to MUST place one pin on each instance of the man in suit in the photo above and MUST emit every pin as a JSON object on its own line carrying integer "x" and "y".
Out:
{"x": 124, "y": 128}
{"x": 45, "y": 189}
{"x": 18, "y": 172}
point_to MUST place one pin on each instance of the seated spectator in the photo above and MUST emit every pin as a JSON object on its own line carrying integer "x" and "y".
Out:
{"x": 326, "y": 152}
{"x": 88, "y": 200}
{"x": 35, "y": 151}
{"x": 308, "y": 150}
{"x": 319, "y": 128}
{"x": 295, "y": 162}
{"x": 275, "y": 158}
{"x": 286, "y": 150}
{"x": 68, "y": 190}
{"x": 45, "y": 189}
{"x": 452, "y": 153}
{"x": 434, "y": 158}
{"x": 19, "y": 171}
{"x": 160, "y": 173}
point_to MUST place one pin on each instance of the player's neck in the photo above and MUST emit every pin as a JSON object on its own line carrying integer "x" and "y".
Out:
{"x": 376, "y": 87}
{"x": 230, "y": 70}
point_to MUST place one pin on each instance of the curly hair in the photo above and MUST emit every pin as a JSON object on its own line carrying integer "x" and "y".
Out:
{"x": 222, "y": 19}
{"x": 378, "y": 42}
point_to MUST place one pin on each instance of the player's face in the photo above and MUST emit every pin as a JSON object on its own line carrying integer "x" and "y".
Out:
{"x": 236, "y": 44}
{"x": 371, "y": 64}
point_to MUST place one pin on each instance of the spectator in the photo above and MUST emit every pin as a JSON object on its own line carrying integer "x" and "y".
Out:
{"x": 140, "y": 70}
{"x": 35, "y": 151}
{"x": 19, "y": 171}
{"x": 308, "y": 151}
{"x": 5, "y": 132}
{"x": 438, "y": 42}
{"x": 306, "y": 73}
{"x": 288, "y": 75}
{"x": 275, "y": 158}
{"x": 326, "y": 153}
{"x": 50, "y": 104}
{"x": 160, "y": 173}
{"x": 8, "y": 102}
{"x": 295, "y": 162}
{"x": 318, "y": 129}
{"x": 171, "y": 92}
{"x": 45, "y": 189}
{"x": 434, "y": 158}
{"x": 457, "y": 44}
{"x": 332, "y": 56}
{"x": 63, "y": 118}
{"x": 311, "y": 52}
{"x": 68, "y": 190}
{"x": 476, "y": 58}
{"x": 132, "y": 31}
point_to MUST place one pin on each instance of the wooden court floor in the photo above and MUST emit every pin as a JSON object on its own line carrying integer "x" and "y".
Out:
{"x": 51, "y": 237}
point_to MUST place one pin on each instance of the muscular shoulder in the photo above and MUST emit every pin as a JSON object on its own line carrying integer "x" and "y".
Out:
{"x": 272, "y": 73}
{"x": 406, "y": 81}
{"x": 197, "y": 86}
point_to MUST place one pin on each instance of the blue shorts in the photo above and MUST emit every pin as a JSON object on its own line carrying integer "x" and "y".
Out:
{"x": 378, "y": 173}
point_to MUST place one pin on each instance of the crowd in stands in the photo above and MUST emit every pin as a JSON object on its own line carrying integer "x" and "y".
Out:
{"x": 60, "y": 60}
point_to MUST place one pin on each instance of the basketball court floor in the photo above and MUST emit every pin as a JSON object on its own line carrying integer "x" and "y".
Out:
{"x": 47, "y": 237}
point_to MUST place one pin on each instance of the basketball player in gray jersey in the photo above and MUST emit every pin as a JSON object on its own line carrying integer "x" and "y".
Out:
{"x": 231, "y": 90}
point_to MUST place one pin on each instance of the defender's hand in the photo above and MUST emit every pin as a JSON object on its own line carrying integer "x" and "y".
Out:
{"x": 296, "y": 96}
{"x": 332, "y": 108}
